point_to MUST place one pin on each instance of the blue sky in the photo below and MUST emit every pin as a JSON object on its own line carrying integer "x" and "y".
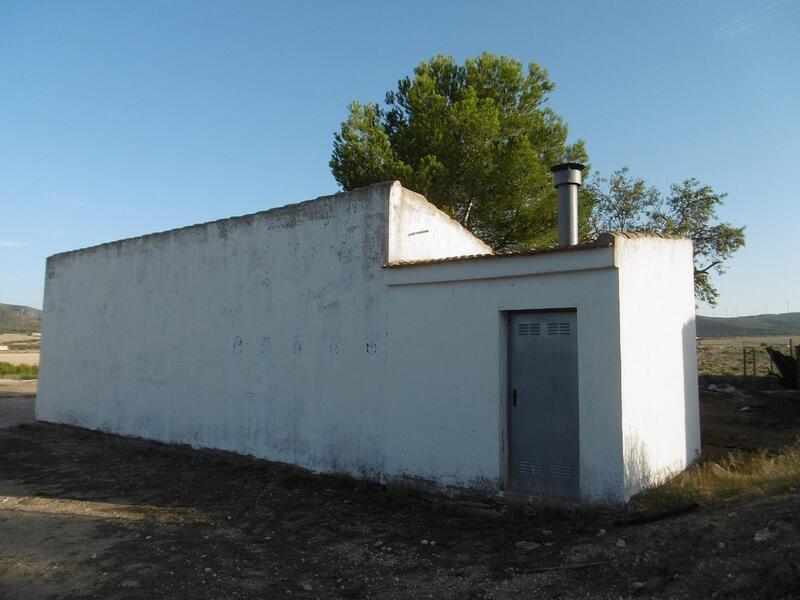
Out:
{"x": 123, "y": 118}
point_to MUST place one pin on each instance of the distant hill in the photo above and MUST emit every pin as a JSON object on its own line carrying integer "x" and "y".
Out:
{"x": 781, "y": 324}
{"x": 19, "y": 319}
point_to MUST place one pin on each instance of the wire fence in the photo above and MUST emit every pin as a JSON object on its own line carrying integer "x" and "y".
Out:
{"x": 750, "y": 364}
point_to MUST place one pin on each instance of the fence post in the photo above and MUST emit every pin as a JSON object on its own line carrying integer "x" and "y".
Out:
{"x": 744, "y": 362}
{"x": 797, "y": 358}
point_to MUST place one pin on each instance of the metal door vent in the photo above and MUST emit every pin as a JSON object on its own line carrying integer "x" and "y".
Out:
{"x": 530, "y": 329}
{"x": 559, "y": 470}
{"x": 532, "y": 468}
{"x": 558, "y": 329}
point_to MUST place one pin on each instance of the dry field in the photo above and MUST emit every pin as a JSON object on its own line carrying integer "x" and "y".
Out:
{"x": 20, "y": 358}
{"x": 22, "y": 349}
{"x": 769, "y": 340}
{"x": 723, "y": 356}
{"x": 7, "y": 338}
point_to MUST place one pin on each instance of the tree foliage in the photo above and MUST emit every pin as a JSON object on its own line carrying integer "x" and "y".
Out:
{"x": 626, "y": 203}
{"x": 621, "y": 203}
{"x": 476, "y": 139}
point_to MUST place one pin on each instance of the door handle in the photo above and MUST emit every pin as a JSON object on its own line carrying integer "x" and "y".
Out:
{"x": 514, "y": 397}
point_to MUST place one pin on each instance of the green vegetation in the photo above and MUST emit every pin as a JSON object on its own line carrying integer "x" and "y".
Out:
{"x": 18, "y": 347}
{"x": 477, "y": 139}
{"x": 9, "y": 371}
{"x": 625, "y": 203}
{"x": 19, "y": 319}
{"x": 711, "y": 483}
{"x": 781, "y": 324}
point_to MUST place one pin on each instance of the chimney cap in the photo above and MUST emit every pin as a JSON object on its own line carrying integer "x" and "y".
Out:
{"x": 567, "y": 165}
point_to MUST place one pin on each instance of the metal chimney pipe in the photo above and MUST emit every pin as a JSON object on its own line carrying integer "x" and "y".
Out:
{"x": 567, "y": 177}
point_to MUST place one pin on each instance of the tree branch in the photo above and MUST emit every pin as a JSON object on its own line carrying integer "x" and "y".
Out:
{"x": 708, "y": 268}
{"x": 469, "y": 210}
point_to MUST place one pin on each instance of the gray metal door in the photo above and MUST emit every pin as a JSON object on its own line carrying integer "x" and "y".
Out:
{"x": 543, "y": 403}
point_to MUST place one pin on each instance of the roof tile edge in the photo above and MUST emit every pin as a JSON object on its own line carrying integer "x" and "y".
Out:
{"x": 599, "y": 243}
{"x": 604, "y": 240}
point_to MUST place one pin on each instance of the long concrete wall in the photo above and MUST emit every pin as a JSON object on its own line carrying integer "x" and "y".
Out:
{"x": 234, "y": 335}
{"x": 265, "y": 334}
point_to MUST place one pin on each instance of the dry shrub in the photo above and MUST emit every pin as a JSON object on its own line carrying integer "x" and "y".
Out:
{"x": 739, "y": 474}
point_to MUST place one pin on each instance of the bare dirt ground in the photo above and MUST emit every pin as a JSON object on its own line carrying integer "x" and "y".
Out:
{"x": 15, "y": 410}
{"x": 17, "y": 387}
{"x": 90, "y": 515}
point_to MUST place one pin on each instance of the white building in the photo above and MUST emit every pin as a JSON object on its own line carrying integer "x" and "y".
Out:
{"x": 368, "y": 333}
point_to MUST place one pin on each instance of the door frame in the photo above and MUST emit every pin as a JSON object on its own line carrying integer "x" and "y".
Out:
{"x": 506, "y": 438}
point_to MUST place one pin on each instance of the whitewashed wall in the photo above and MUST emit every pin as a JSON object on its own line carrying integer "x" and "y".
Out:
{"x": 418, "y": 230}
{"x": 660, "y": 410}
{"x": 448, "y": 374}
{"x": 230, "y": 335}
{"x": 638, "y": 398}
{"x": 263, "y": 334}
